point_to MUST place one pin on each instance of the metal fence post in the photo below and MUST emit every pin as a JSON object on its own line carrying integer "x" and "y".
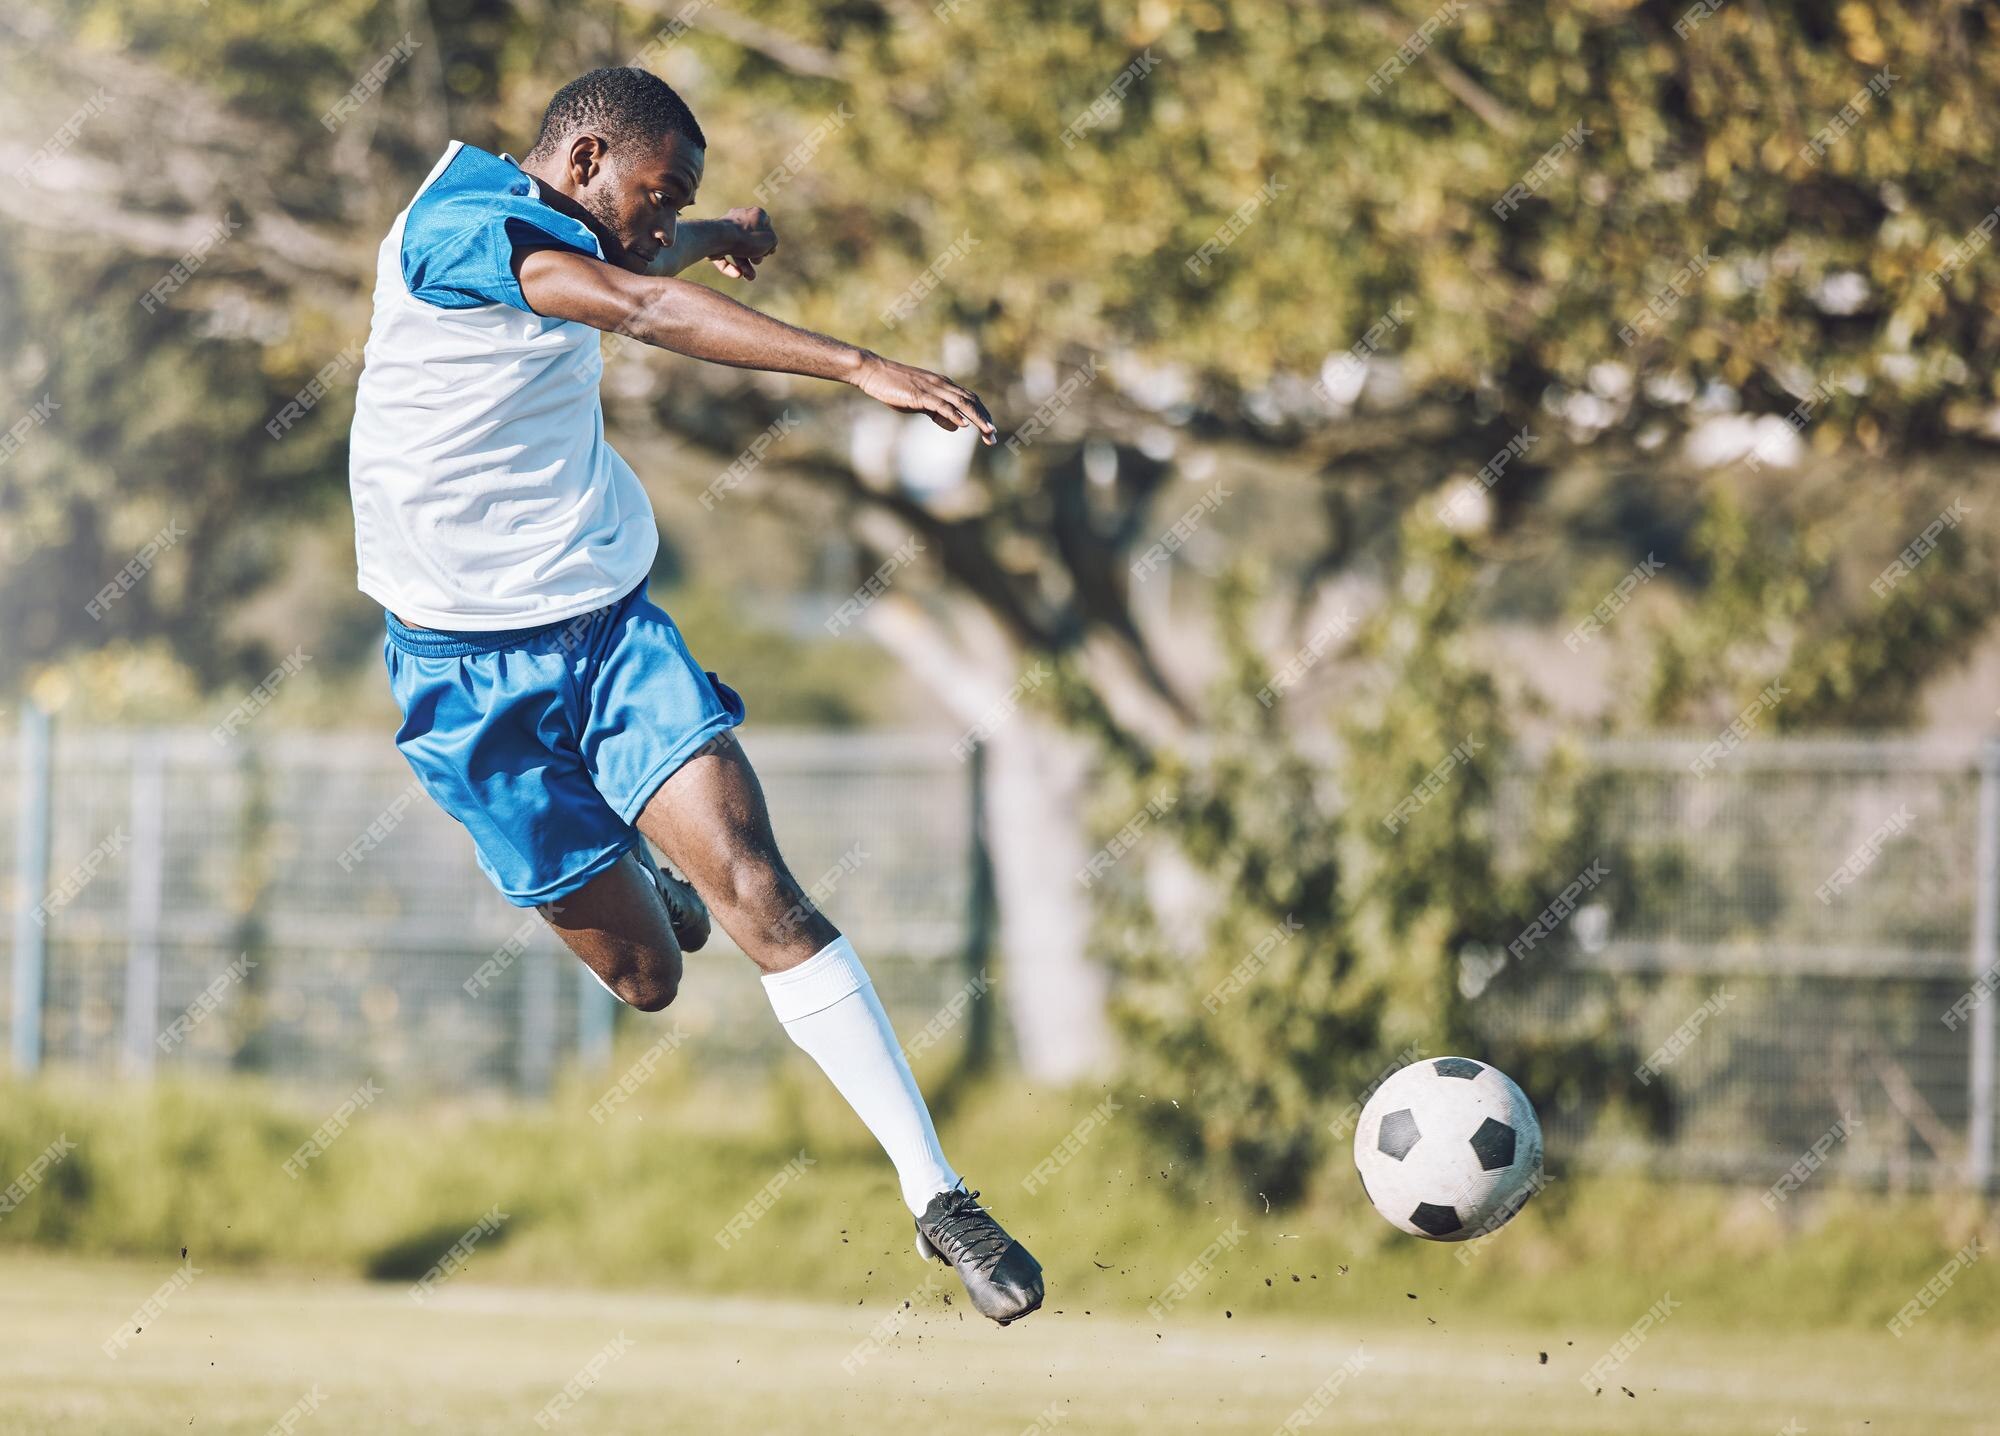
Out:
{"x": 143, "y": 898}
{"x": 980, "y": 916}
{"x": 31, "y": 887}
{"x": 1985, "y": 958}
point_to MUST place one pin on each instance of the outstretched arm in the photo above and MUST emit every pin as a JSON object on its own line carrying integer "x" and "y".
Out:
{"x": 694, "y": 320}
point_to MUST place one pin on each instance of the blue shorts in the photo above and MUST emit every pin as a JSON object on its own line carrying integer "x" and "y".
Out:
{"x": 547, "y": 742}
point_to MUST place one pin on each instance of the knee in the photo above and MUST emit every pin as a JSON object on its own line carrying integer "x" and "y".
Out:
{"x": 646, "y": 992}
{"x": 749, "y": 884}
{"x": 772, "y": 900}
{"x": 651, "y": 983}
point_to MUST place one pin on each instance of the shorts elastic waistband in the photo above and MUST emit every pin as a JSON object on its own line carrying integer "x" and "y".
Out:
{"x": 452, "y": 643}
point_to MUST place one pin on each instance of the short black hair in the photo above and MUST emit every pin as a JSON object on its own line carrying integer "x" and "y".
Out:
{"x": 626, "y": 105}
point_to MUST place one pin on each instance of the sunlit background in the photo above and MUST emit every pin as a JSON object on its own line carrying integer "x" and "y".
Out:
{"x": 1493, "y": 550}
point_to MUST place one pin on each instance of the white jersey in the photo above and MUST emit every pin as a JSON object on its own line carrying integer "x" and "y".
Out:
{"x": 485, "y": 496}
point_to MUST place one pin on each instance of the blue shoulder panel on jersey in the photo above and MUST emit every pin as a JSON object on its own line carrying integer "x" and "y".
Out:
{"x": 461, "y": 234}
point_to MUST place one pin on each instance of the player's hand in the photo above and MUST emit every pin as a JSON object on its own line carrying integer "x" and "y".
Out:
{"x": 748, "y": 243}
{"x": 918, "y": 391}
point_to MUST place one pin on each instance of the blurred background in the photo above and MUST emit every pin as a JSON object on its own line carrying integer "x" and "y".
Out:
{"x": 1493, "y": 550}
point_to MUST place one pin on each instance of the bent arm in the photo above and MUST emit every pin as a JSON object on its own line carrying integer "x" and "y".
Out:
{"x": 694, "y": 320}
{"x": 694, "y": 241}
{"x": 676, "y": 314}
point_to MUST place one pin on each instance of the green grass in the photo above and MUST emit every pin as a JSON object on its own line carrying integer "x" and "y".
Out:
{"x": 231, "y": 1354}
{"x": 637, "y": 1201}
{"x": 610, "y": 1227}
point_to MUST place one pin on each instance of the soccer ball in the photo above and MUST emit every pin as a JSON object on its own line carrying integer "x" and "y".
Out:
{"x": 1448, "y": 1149}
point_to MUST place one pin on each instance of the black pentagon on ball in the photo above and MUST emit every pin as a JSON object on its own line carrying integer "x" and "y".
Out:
{"x": 1435, "y": 1221}
{"x": 1493, "y": 1144}
{"x": 1398, "y": 1134}
{"x": 1457, "y": 1067}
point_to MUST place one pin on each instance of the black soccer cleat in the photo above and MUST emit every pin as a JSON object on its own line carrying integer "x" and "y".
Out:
{"x": 1002, "y": 1278}
{"x": 685, "y": 909}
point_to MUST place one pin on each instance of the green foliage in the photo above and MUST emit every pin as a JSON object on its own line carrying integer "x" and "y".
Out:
{"x": 1806, "y": 596}
{"x": 1757, "y": 586}
{"x": 884, "y": 133}
{"x": 1340, "y": 900}
{"x": 1230, "y": 1068}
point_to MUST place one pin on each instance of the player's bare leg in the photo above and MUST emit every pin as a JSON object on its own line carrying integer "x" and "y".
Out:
{"x": 631, "y": 925}
{"x": 619, "y": 925}
{"x": 710, "y": 820}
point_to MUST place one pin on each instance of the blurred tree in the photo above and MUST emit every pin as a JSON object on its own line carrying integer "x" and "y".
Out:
{"x": 1348, "y": 893}
{"x": 1376, "y": 246}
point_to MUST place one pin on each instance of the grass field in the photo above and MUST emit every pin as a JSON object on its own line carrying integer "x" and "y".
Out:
{"x": 233, "y": 1354}
{"x": 613, "y": 1240}
{"x": 637, "y": 1203}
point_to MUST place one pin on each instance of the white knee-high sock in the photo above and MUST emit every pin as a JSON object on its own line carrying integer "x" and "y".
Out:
{"x": 829, "y": 1007}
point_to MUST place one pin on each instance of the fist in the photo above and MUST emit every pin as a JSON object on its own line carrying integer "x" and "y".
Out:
{"x": 747, "y": 241}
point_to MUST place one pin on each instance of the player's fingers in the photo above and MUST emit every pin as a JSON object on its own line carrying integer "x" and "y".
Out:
{"x": 941, "y": 409}
{"x": 938, "y": 408}
{"x": 948, "y": 398}
{"x": 969, "y": 401}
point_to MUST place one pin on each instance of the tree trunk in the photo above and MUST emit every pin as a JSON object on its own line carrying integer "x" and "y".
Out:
{"x": 1036, "y": 776}
{"x": 1034, "y": 782}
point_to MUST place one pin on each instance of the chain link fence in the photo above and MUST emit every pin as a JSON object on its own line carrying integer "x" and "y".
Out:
{"x": 1785, "y": 948}
{"x": 300, "y": 909}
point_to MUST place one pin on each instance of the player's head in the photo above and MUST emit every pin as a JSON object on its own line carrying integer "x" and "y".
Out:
{"x": 627, "y": 148}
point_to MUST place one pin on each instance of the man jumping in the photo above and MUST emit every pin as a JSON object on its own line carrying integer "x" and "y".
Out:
{"x": 547, "y": 704}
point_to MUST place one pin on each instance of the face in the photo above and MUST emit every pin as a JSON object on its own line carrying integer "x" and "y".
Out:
{"x": 637, "y": 196}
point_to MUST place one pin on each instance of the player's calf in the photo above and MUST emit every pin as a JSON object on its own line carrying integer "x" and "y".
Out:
{"x": 758, "y": 898}
{"x": 685, "y": 908}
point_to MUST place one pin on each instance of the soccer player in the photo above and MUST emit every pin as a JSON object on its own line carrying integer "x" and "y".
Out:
{"x": 547, "y": 704}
